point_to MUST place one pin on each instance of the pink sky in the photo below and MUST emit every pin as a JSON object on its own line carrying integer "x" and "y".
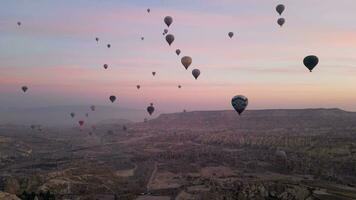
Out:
{"x": 55, "y": 54}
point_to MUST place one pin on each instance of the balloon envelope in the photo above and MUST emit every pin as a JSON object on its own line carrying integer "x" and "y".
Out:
{"x": 168, "y": 20}
{"x": 239, "y": 103}
{"x": 186, "y": 61}
{"x": 281, "y": 21}
{"x": 81, "y": 123}
{"x": 24, "y": 88}
{"x": 178, "y": 52}
{"x": 196, "y": 73}
{"x": 105, "y": 66}
{"x": 310, "y": 62}
{"x": 170, "y": 39}
{"x": 150, "y": 109}
{"x": 112, "y": 98}
{"x": 280, "y": 8}
{"x": 231, "y": 34}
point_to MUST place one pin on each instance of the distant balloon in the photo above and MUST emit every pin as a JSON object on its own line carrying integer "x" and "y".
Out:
{"x": 165, "y": 31}
{"x": 281, "y": 21}
{"x": 150, "y": 109}
{"x": 92, "y": 108}
{"x": 138, "y": 86}
{"x": 168, "y": 20}
{"x": 109, "y": 45}
{"x": 179, "y": 86}
{"x": 124, "y": 128}
{"x": 81, "y": 123}
{"x": 153, "y": 73}
{"x": 33, "y": 126}
{"x": 170, "y": 39}
{"x": 18, "y": 23}
{"x": 239, "y": 103}
{"x": 196, "y": 73}
{"x": 148, "y": 10}
{"x": 178, "y": 52}
{"x": 24, "y": 88}
{"x": 231, "y": 34}
{"x": 280, "y": 8}
{"x": 87, "y": 114}
{"x": 112, "y": 98}
{"x": 310, "y": 62}
{"x": 186, "y": 61}
{"x": 97, "y": 39}
{"x": 106, "y": 66}
{"x": 142, "y": 38}
{"x": 184, "y": 110}
{"x": 72, "y": 114}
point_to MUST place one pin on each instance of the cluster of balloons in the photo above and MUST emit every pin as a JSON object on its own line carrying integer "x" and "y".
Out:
{"x": 280, "y": 9}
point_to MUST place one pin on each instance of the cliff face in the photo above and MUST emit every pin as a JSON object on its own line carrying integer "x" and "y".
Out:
{"x": 256, "y": 119}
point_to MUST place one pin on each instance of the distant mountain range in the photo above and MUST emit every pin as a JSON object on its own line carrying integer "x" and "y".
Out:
{"x": 60, "y": 115}
{"x": 257, "y": 120}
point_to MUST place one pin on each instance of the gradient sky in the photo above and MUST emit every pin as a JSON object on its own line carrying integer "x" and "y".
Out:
{"x": 55, "y": 54}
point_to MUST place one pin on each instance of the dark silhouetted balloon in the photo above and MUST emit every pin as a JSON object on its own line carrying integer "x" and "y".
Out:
{"x": 281, "y": 21}
{"x": 142, "y": 38}
{"x": 168, "y": 20}
{"x": 87, "y": 114}
{"x": 196, "y": 73}
{"x": 239, "y": 103}
{"x": 231, "y": 34}
{"x": 148, "y": 10}
{"x": 109, "y": 45}
{"x": 179, "y": 86}
{"x": 150, "y": 109}
{"x": 186, "y": 61}
{"x": 24, "y": 88}
{"x": 154, "y": 73}
{"x": 92, "y": 108}
{"x": 165, "y": 31}
{"x": 81, "y": 122}
{"x": 72, "y": 114}
{"x": 18, "y": 23}
{"x": 310, "y": 62}
{"x": 138, "y": 86}
{"x": 97, "y": 39}
{"x": 170, "y": 39}
{"x": 178, "y": 52}
{"x": 112, "y": 98}
{"x": 280, "y": 8}
{"x": 106, "y": 66}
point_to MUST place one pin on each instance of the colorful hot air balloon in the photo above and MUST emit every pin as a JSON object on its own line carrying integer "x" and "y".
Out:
{"x": 112, "y": 98}
{"x": 186, "y": 61}
{"x": 170, "y": 39}
{"x": 239, "y": 103}
{"x": 150, "y": 109}
{"x": 196, "y": 73}
{"x": 280, "y": 8}
{"x": 310, "y": 62}
{"x": 24, "y": 88}
{"x": 168, "y": 20}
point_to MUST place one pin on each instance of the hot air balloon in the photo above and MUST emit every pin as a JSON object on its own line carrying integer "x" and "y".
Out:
{"x": 239, "y": 103}
{"x": 18, "y": 23}
{"x": 142, "y": 38}
{"x": 168, "y": 20}
{"x": 24, "y": 88}
{"x": 281, "y": 21}
{"x": 97, "y": 39}
{"x": 230, "y": 34}
{"x": 92, "y": 108}
{"x": 170, "y": 39}
{"x": 196, "y": 73}
{"x": 153, "y": 73}
{"x": 105, "y": 66}
{"x": 186, "y": 61}
{"x": 33, "y": 126}
{"x": 109, "y": 45}
{"x": 280, "y": 8}
{"x": 165, "y": 31}
{"x": 178, "y": 52}
{"x": 179, "y": 86}
{"x": 150, "y": 109}
{"x": 112, "y": 98}
{"x": 148, "y": 10}
{"x": 138, "y": 86}
{"x": 72, "y": 114}
{"x": 81, "y": 123}
{"x": 310, "y": 62}
{"x": 87, "y": 114}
